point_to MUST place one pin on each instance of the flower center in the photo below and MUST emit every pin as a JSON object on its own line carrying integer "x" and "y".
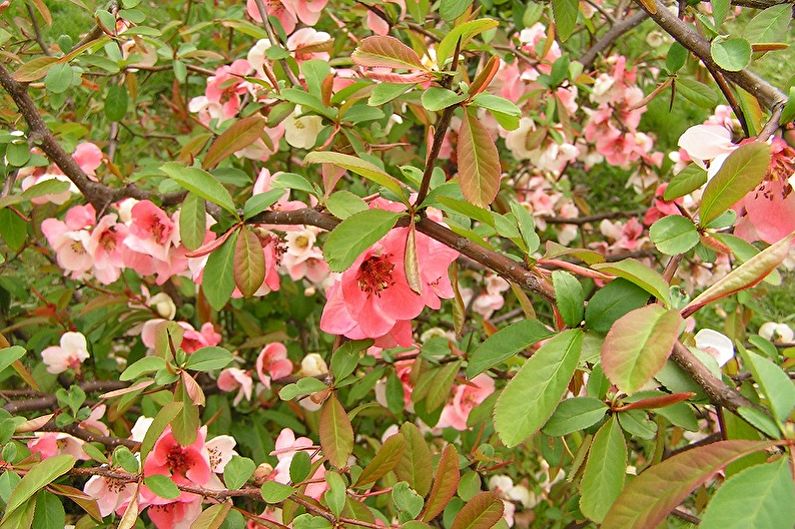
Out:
{"x": 77, "y": 247}
{"x": 177, "y": 461}
{"x": 375, "y": 274}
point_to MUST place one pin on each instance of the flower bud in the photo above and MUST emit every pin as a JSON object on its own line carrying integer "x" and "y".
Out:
{"x": 313, "y": 365}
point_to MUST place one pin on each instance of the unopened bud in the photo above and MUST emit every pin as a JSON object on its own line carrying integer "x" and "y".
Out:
{"x": 261, "y": 474}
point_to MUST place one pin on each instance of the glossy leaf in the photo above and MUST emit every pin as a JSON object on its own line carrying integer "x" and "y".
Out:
{"x": 638, "y": 345}
{"x": 639, "y": 274}
{"x": 575, "y": 414}
{"x": 445, "y": 484}
{"x": 674, "y": 234}
{"x": 358, "y": 166}
{"x": 465, "y": 32}
{"x": 386, "y": 52}
{"x": 504, "y": 344}
{"x": 481, "y": 512}
{"x": 162, "y": 486}
{"x": 774, "y": 382}
{"x": 356, "y": 234}
{"x": 605, "y": 470}
{"x": 163, "y": 418}
{"x": 531, "y": 396}
{"x": 732, "y": 54}
{"x": 237, "y": 137}
{"x": 237, "y": 472}
{"x": 479, "y": 170}
{"x": 336, "y": 434}
{"x": 436, "y": 98}
{"x": 611, "y": 302}
{"x": 201, "y": 183}
{"x": 685, "y": 182}
{"x": 385, "y": 460}
{"x": 569, "y": 297}
{"x": 36, "y": 479}
{"x": 220, "y": 266}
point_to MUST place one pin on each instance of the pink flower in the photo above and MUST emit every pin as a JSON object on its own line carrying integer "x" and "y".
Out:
{"x": 232, "y": 379}
{"x": 106, "y": 246}
{"x": 273, "y": 364}
{"x": 282, "y": 10}
{"x": 377, "y": 24}
{"x": 71, "y": 246}
{"x": 72, "y": 352}
{"x": 110, "y": 493}
{"x": 89, "y": 157}
{"x": 227, "y": 85}
{"x": 192, "y": 340}
{"x": 307, "y": 11}
{"x": 286, "y": 447}
{"x": 176, "y": 514}
{"x": 465, "y": 399}
{"x": 185, "y": 465}
{"x": 661, "y": 207}
{"x": 152, "y": 232}
{"x": 707, "y": 145}
{"x": 48, "y": 444}
{"x": 306, "y": 42}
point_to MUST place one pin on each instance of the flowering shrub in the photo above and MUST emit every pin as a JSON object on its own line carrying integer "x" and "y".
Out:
{"x": 464, "y": 265}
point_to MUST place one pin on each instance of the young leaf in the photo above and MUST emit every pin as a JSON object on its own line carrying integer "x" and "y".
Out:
{"x": 565, "y": 13}
{"x": 237, "y": 137}
{"x": 479, "y": 169}
{"x": 212, "y": 517}
{"x": 209, "y": 359}
{"x": 162, "y": 486}
{"x": 569, "y": 297}
{"x": 192, "y": 221}
{"x": 742, "y": 171}
{"x": 201, "y": 183}
{"x": 648, "y": 498}
{"x": 237, "y": 472}
{"x": 465, "y": 32}
{"x": 336, "y": 434}
{"x": 249, "y": 262}
{"x": 220, "y": 273}
{"x": 744, "y": 276}
{"x": 445, "y": 484}
{"x": 530, "y": 397}
{"x": 358, "y": 166}
{"x": 685, "y": 181}
{"x": 638, "y": 273}
{"x": 603, "y": 477}
{"x": 386, "y": 52}
{"x": 638, "y": 345}
{"x": 436, "y": 98}
{"x": 757, "y": 497}
{"x": 163, "y": 418}
{"x": 575, "y": 414}
{"x": 481, "y": 512}
{"x": 356, "y": 234}
{"x": 674, "y": 234}
{"x": 415, "y": 463}
{"x": 505, "y": 343}
{"x": 385, "y": 460}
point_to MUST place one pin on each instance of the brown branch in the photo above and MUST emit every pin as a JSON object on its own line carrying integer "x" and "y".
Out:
{"x": 591, "y": 218}
{"x": 37, "y": 31}
{"x": 43, "y": 401}
{"x": 275, "y": 40}
{"x": 90, "y": 437}
{"x": 605, "y": 41}
{"x": 772, "y": 124}
{"x": 726, "y": 90}
{"x": 96, "y": 32}
{"x": 767, "y": 94}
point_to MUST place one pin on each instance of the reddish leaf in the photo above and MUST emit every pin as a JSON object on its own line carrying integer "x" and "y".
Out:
{"x": 86, "y": 502}
{"x": 480, "y": 512}
{"x": 638, "y": 344}
{"x": 478, "y": 161}
{"x": 445, "y": 483}
{"x": 249, "y": 262}
{"x": 386, "y": 52}
{"x": 210, "y": 246}
{"x": 385, "y": 460}
{"x": 336, "y": 433}
{"x": 483, "y": 79}
{"x": 655, "y": 402}
{"x": 648, "y": 499}
{"x": 34, "y": 69}
{"x": 240, "y": 135}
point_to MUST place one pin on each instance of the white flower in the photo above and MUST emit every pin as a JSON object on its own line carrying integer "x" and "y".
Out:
{"x": 313, "y": 365}
{"x": 516, "y": 140}
{"x": 72, "y": 352}
{"x": 779, "y": 333}
{"x": 139, "y": 429}
{"x": 302, "y": 132}
{"x": 221, "y": 449}
{"x": 300, "y": 243}
{"x": 716, "y": 344}
{"x": 164, "y": 305}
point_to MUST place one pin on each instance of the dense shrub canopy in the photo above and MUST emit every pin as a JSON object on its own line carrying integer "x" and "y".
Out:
{"x": 406, "y": 264}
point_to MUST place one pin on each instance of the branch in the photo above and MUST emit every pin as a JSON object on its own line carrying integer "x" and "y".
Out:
{"x": 37, "y": 32}
{"x": 46, "y": 401}
{"x": 618, "y": 29}
{"x": 592, "y": 218}
{"x": 767, "y": 94}
{"x": 263, "y": 13}
{"x": 90, "y": 437}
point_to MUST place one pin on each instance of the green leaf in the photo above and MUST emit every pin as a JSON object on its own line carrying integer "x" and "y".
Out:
{"x": 385, "y": 460}
{"x": 346, "y": 358}
{"x": 639, "y": 274}
{"x": 38, "y": 477}
{"x": 530, "y": 398}
{"x": 336, "y": 433}
{"x": 293, "y": 181}
{"x": 565, "y": 13}
{"x": 505, "y": 343}
{"x": 147, "y": 364}
{"x": 731, "y": 54}
{"x": 575, "y": 414}
{"x": 605, "y": 470}
{"x": 356, "y": 234}
{"x": 569, "y": 297}
{"x": 676, "y": 58}
{"x": 685, "y": 181}
{"x": 436, "y": 98}
{"x": 648, "y": 498}
{"x": 415, "y": 462}
{"x": 674, "y": 234}
{"x": 192, "y": 221}
{"x": 260, "y": 202}
{"x": 201, "y": 183}
{"x": 696, "y": 92}
{"x": 742, "y": 171}
{"x": 385, "y": 92}
{"x": 774, "y": 382}
{"x": 527, "y": 227}
{"x": 452, "y": 9}
{"x": 720, "y": 8}
{"x": 445, "y": 483}
{"x": 386, "y": 52}
{"x": 208, "y": 359}
{"x": 49, "y": 513}
{"x": 249, "y": 262}
{"x": 163, "y": 418}
{"x": 770, "y": 25}
{"x": 220, "y": 273}
{"x": 744, "y": 276}
{"x": 759, "y": 497}
{"x": 238, "y": 136}
{"x": 481, "y": 512}
{"x": 34, "y": 69}
{"x": 303, "y": 387}
{"x": 638, "y": 345}
{"x": 162, "y": 486}
{"x": 59, "y": 78}
{"x": 273, "y": 492}
{"x": 465, "y": 32}
{"x": 358, "y": 166}
{"x": 116, "y": 103}
{"x": 503, "y": 110}
{"x": 335, "y": 494}
{"x": 611, "y": 302}
{"x": 212, "y": 517}
{"x": 300, "y": 467}
{"x": 479, "y": 170}
{"x": 9, "y": 355}
{"x": 237, "y": 472}
{"x": 406, "y": 500}
{"x": 343, "y": 204}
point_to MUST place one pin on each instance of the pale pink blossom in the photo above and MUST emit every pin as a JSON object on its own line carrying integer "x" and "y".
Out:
{"x": 286, "y": 446}
{"x": 70, "y": 354}
{"x": 231, "y": 379}
{"x": 282, "y": 10}
{"x": 465, "y": 398}
{"x": 307, "y": 44}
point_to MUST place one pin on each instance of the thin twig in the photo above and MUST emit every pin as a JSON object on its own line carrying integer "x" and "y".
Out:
{"x": 263, "y": 13}
{"x": 605, "y": 41}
